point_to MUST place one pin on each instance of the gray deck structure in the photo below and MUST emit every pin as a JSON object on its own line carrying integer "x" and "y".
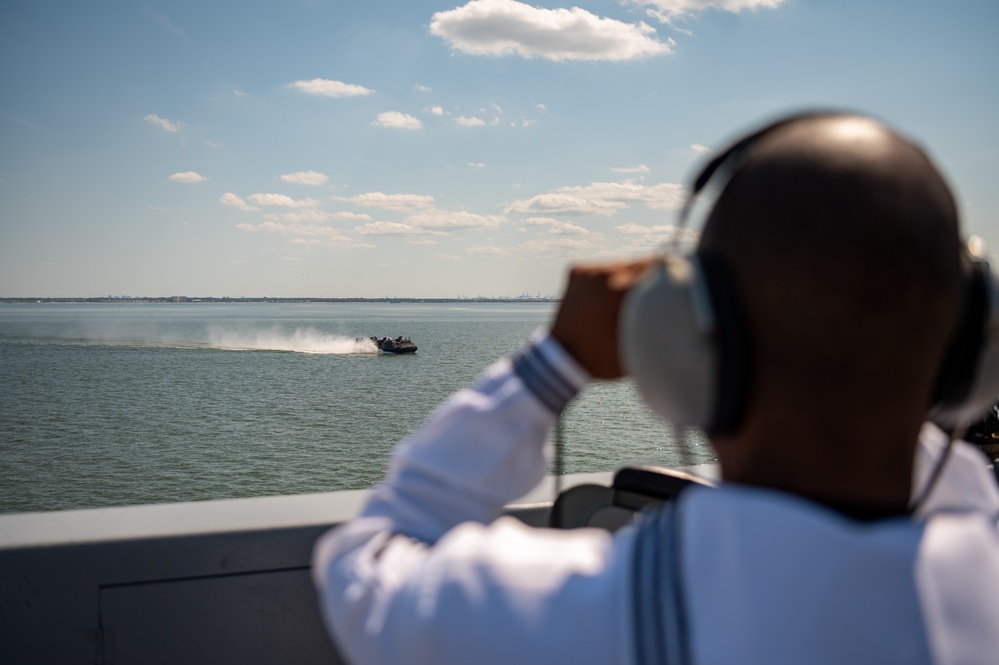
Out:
{"x": 206, "y": 582}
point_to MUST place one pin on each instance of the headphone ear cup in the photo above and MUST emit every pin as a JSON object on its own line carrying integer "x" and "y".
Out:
{"x": 969, "y": 380}
{"x": 666, "y": 332}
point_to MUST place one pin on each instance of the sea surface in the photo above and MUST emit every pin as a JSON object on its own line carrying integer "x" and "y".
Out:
{"x": 117, "y": 404}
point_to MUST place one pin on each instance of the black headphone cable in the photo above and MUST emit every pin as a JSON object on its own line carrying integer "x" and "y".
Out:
{"x": 558, "y": 458}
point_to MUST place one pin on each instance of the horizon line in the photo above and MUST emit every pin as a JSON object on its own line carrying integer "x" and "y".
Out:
{"x": 27, "y": 300}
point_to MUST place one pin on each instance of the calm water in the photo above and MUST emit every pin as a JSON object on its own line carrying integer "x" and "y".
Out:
{"x": 125, "y": 404}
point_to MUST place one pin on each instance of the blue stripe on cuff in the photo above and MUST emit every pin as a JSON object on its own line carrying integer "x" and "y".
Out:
{"x": 564, "y": 387}
{"x": 543, "y": 379}
{"x": 547, "y": 375}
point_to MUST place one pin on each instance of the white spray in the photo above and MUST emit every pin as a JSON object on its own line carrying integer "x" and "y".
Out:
{"x": 300, "y": 340}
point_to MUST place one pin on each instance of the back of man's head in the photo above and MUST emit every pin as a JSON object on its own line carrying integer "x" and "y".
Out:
{"x": 842, "y": 240}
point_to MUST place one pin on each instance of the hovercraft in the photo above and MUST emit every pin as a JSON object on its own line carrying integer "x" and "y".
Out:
{"x": 389, "y": 345}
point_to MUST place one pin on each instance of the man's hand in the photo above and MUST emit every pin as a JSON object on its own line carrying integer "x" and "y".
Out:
{"x": 586, "y": 323}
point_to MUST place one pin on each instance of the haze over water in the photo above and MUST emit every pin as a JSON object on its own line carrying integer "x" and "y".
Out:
{"x": 128, "y": 404}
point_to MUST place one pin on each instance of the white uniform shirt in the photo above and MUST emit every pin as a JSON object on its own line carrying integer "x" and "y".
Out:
{"x": 430, "y": 572}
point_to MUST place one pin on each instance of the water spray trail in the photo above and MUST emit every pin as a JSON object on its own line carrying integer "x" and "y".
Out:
{"x": 301, "y": 340}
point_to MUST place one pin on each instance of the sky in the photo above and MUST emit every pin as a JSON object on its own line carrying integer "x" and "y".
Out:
{"x": 315, "y": 148}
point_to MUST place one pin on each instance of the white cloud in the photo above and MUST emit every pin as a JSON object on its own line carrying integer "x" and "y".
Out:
{"x": 288, "y": 229}
{"x": 507, "y": 27}
{"x": 658, "y": 235}
{"x": 187, "y": 176}
{"x": 469, "y": 122}
{"x": 231, "y": 199}
{"x": 477, "y": 165}
{"x": 701, "y": 149}
{"x": 602, "y": 198}
{"x": 560, "y": 228}
{"x": 328, "y": 88}
{"x": 454, "y": 219}
{"x": 282, "y": 200}
{"x": 214, "y": 144}
{"x": 487, "y": 250}
{"x": 667, "y": 9}
{"x": 403, "y": 202}
{"x": 333, "y": 242}
{"x": 422, "y": 88}
{"x": 565, "y": 203}
{"x": 302, "y": 215}
{"x": 662, "y": 196}
{"x": 541, "y": 106}
{"x": 641, "y": 168}
{"x": 392, "y": 229}
{"x": 163, "y": 123}
{"x": 305, "y": 178}
{"x": 356, "y": 216}
{"x": 307, "y": 234}
{"x": 398, "y": 120}
{"x": 240, "y": 93}
{"x": 563, "y": 246}
{"x": 164, "y": 21}
{"x": 435, "y": 109}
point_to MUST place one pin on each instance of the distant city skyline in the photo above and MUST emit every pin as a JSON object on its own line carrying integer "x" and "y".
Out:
{"x": 130, "y": 299}
{"x": 324, "y": 149}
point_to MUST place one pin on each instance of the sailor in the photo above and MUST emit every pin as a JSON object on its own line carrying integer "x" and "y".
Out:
{"x": 833, "y": 274}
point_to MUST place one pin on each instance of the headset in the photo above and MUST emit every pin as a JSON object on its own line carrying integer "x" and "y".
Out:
{"x": 684, "y": 341}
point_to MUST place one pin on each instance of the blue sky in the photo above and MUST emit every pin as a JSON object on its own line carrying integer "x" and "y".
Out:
{"x": 325, "y": 149}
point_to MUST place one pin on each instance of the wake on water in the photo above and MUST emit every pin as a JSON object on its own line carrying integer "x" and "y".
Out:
{"x": 301, "y": 340}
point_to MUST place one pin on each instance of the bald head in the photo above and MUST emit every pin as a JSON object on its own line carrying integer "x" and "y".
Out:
{"x": 842, "y": 240}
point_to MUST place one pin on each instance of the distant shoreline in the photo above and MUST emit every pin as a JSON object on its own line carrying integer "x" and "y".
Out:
{"x": 191, "y": 300}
